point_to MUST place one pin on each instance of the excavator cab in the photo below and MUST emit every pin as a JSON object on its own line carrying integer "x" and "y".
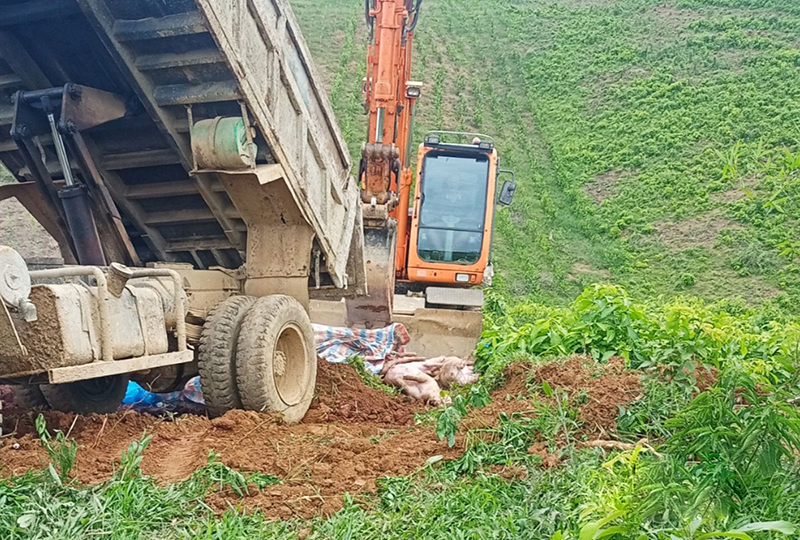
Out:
{"x": 450, "y": 242}
{"x": 451, "y": 228}
{"x": 453, "y": 218}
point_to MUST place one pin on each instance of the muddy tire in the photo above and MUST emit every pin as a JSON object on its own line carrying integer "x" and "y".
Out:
{"x": 29, "y": 397}
{"x": 217, "y": 356}
{"x": 276, "y": 360}
{"x": 101, "y": 396}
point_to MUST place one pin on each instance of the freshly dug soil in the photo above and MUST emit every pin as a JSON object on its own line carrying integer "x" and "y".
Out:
{"x": 596, "y": 389}
{"x": 352, "y": 436}
{"x": 343, "y": 397}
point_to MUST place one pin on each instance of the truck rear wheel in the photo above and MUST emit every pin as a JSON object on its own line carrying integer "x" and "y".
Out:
{"x": 29, "y": 397}
{"x": 101, "y": 396}
{"x": 216, "y": 359}
{"x": 276, "y": 360}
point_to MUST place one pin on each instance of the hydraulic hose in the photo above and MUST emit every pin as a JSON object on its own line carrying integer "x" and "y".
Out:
{"x": 416, "y": 17}
{"x": 368, "y": 4}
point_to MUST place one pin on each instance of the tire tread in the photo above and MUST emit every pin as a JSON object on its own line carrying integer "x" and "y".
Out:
{"x": 257, "y": 340}
{"x": 216, "y": 359}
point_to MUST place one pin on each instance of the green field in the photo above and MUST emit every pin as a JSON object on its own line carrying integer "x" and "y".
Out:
{"x": 657, "y": 151}
{"x": 655, "y": 142}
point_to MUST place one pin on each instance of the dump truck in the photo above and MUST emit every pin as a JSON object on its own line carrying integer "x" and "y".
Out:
{"x": 188, "y": 163}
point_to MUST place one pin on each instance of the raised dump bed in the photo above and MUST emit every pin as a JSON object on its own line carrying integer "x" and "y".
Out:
{"x": 173, "y": 61}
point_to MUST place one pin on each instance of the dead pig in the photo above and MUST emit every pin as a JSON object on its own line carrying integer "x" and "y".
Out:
{"x": 413, "y": 382}
{"x": 424, "y": 379}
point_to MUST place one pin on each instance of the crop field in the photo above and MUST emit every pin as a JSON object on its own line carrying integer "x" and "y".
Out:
{"x": 656, "y": 141}
{"x": 641, "y": 341}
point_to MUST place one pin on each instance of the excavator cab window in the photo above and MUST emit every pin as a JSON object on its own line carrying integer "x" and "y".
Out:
{"x": 452, "y": 208}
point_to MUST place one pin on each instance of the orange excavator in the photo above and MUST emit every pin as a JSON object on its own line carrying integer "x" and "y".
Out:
{"x": 433, "y": 250}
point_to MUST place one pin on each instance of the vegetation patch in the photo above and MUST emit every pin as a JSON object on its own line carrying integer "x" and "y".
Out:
{"x": 701, "y": 231}
{"x": 603, "y": 187}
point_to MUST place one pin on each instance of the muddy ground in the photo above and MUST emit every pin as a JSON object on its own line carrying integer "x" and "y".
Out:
{"x": 352, "y": 436}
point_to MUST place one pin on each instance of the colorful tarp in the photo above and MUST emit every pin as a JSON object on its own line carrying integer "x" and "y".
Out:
{"x": 374, "y": 346}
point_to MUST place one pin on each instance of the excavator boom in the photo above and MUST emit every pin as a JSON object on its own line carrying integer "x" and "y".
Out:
{"x": 384, "y": 170}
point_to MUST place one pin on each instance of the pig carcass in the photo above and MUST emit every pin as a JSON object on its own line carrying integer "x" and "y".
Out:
{"x": 423, "y": 379}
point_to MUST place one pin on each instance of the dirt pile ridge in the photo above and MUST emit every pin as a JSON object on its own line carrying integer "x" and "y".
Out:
{"x": 342, "y": 396}
{"x": 352, "y": 436}
{"x": 595, "y": 389}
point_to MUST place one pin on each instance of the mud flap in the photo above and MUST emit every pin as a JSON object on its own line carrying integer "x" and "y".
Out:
{"x": 374, "y": 310}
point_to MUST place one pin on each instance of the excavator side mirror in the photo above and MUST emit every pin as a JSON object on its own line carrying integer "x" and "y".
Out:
{"x": 506, "y": 196}
{"x": 507, "y": 193}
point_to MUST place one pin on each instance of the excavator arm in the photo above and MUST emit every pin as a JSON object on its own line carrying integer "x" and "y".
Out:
{"x": 385, "y": 169}
{"x": 437, "y": 241}
{"x": 439, "y": 247}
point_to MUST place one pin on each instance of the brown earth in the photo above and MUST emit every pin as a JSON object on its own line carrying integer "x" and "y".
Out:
{"x": 549, "y": 459}
{"x": 604, "y": 187}
{"x": 738, "y": 192}
{"x": 595, "y": 389}
{"x": 675, "y": 17}
{"x": 580, "y": 270}
{"x": 341, "y": 396}
{"x": 352, "y": 436}
{"x": 701, "y": 231}
{"x": 19, "y": 230}
{"x": 705, "y": 376}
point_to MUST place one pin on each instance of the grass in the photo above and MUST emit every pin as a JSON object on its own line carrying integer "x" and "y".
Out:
{"x": 717, "y": 463}
{"x": 134, "y": 507}
{"x": 656, "y": 148}
{"x": 624, "y": 120}
{"x": 5, "y": 176}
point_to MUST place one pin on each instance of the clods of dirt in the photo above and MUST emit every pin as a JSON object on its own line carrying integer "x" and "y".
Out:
{"x": 343, "y": 397}
{"x": 353, "y": 436}
{"x": 509, "y": 473}
{"x": 704, "y": 376}
{"x": 597, "y": 390}
{"x": 549, "y": 459}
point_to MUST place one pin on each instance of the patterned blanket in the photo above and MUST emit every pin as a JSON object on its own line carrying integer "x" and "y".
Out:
{"x": 374, "y": 346}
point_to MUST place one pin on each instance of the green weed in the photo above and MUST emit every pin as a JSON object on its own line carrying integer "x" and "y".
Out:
{"x": 450, "y": 417}
{"x": 62, "y": 451}
{"x": 219, "y": 476}
{"x": 369, "y": 378}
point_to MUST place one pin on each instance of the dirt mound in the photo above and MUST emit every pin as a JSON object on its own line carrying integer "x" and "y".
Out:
{"x": 342, "y": 396}
{"x": 317, "y": 463}
{"x": 353, "y": 436}
{"x": 512, "y": 397}
{"x": 597, "y": 390}
{"x": 515, "y": 380}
